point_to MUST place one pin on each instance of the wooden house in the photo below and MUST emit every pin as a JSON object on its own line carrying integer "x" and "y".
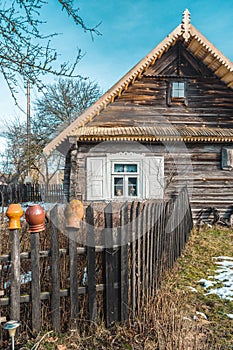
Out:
{"x": 167, "y": 123}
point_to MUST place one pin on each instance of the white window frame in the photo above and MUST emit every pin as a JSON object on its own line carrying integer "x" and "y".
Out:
{"x": 227, "y": 158}
{"x": 125, "y": 175}
{"x": 150, "y": 175}
{"x": 178, "y": 92}
{"x": 181, "y": 98}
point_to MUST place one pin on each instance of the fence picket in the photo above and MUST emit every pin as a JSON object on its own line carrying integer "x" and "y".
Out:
{"x": 55, "y": 270}
{"x": 148, "y": 229}
{"x": 19, "y": 193}
{"x": 15, "y": 276}
{"x": 151, "y": 249}
{"x": 124, "y": 262}
{"x": 73, "y": 254}
{"x": 144, "y": 220}
{"x": 138, "y": 248}
{"x": 91, "y": 268}
{"x": 109, "y": 268}
{"x": 133, "y": 257}
{"x": 154, "y": 234}
{"x": 35, "y": 288}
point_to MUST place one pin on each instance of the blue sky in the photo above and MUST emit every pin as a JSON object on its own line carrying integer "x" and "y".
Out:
{"x": 130, "y": 29}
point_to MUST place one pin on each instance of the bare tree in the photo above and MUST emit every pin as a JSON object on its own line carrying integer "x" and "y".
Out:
{"x": 15, "y": 160}
{"x": 24, "y": 50}
{"x": 58, "y": 107}
{"x": 62, "y": 103}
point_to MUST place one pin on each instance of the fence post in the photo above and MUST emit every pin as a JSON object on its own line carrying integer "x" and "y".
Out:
{"x": 55, "y": 269}
{"x": 2, "y": 318}
{"x": 139, "y": 234}
{"x": 133, "y": 257}
{"x": 73, "y": 213}
{"x": 14, "y": 213}
{"x": 35, "y": 288}
{"x": 91, "y": 268}
{"x": 112, "y": 298}
{"x": 124, "y": 262}
{"x": 15, "y": 276}
{"x": 73, "y": 255}
{"x": 35, "y": 216}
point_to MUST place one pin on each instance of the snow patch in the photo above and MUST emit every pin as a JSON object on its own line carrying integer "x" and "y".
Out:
{"x": 224, "y": 275}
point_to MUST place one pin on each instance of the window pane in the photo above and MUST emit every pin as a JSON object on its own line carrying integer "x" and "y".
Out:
{"x": 118, "y": 168}
{"x": 126, "y": 168}
{"x": 118, "y": 186}
{"x": 132, "y": 186}
{"x": 131, "y": 168}
{"x": 177, "y": 89}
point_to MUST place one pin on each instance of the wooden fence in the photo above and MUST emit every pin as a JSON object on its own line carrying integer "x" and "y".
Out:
{"x": 21, "y": 193}
{"x": 127, "y": 249}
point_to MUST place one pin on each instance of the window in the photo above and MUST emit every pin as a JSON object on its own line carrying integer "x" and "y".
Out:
{"x": 126, "y": 182}
{"x": 227, "y": 158}
{"x": 177, "y": 93}
{"x": 177, "y": 90}
{"x": 124, "y": 176}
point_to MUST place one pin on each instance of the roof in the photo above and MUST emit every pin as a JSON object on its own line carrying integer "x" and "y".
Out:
{"x": 196, "y": 43}
{"x": 155, "y": 133}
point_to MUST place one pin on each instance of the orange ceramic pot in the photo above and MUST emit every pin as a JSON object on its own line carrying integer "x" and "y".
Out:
{"x": 74, "y": 213}
{"x": 14, "y": 213}
{"x": 35, "y": 217}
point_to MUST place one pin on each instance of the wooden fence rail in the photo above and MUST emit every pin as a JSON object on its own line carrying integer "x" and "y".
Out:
{"x": 21, "y": 193}
{"x": 140, "y": 241}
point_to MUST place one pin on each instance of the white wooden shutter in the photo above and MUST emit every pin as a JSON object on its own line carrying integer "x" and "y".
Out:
{"x": 96, "y": 175}
{"x": 153, "y": 177}
{"x": 227, "y": 158}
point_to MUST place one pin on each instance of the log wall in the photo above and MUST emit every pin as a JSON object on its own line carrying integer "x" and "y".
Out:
{"x": 197, "y": 166}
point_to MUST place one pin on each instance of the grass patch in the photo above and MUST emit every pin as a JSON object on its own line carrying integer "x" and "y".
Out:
{"x": 196, "y": 263}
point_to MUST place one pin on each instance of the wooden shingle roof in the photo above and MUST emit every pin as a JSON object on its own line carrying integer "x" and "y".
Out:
{"x": 196, "y": 44}
{"x": 154, "y": 133}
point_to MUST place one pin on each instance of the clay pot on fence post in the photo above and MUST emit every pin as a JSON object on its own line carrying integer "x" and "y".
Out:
{"x": 35, "y": 217}
{"x": 74, "y": 213}
{"x": 14, "y": 213}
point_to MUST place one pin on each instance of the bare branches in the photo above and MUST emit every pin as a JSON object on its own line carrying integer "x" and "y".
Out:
{"x": 63, "y": 102}
{"x": 24, "y": 50}
{"x": 68, "y": 7}
{"x": 60, "y": 105}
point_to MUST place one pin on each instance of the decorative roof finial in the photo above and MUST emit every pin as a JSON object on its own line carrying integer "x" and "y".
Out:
{"x": 186, "y": 25}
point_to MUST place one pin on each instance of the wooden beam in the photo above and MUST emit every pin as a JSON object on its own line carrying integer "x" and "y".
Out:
{"x": 197, "y": 50}
{"x": 191, "y": 43}
{"x": 211, "y": 63}
{"x": 230, "y": 85}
